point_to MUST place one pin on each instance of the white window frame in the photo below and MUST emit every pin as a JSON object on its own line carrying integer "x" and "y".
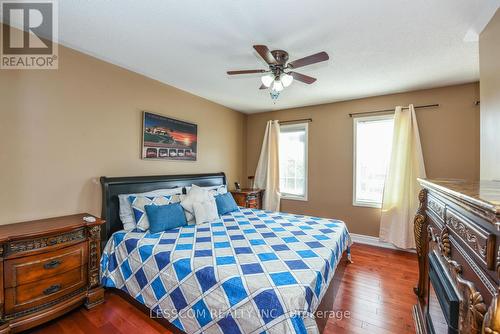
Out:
{"x": 294, "y": 197}
{"x": 355, "y": 122}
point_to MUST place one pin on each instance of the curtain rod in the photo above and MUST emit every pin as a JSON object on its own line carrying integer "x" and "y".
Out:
{"x": 302, "y": 120}
{"x": 389, "y": 110}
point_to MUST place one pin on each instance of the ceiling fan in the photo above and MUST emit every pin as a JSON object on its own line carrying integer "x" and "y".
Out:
{"x": 280, "y": 73}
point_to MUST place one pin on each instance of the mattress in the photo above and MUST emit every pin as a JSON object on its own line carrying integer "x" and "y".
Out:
{"x": 251, "y": 271}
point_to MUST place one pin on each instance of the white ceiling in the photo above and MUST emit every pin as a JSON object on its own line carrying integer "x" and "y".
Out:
{"x": 375, "y": 47}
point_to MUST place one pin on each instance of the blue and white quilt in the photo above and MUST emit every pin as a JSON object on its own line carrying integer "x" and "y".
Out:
{"x": 251, "y": 271}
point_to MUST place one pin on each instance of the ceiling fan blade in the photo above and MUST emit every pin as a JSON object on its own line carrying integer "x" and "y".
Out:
{"x": 302, "y": 77}
{"x": 264, "y": 52}
{"x": 245, "y": 72}
{"x": 263, "y": 87}
{"x": 312, "y": 59}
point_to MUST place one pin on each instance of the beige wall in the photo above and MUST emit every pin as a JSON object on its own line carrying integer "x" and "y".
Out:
{"x": 489, "y": 61}
{"x": 62, "y": 129}
{"x": 449, "y": 135}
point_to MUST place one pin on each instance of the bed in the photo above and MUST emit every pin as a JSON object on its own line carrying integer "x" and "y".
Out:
{"x": 251, "y": 271}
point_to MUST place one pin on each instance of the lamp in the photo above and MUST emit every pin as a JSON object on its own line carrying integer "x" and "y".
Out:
{"x": 286, "y": 79}
{"x": 277, "y": 85}
{"x": 267, "y": 79}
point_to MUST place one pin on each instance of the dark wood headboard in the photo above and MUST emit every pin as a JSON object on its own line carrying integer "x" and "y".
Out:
{"x": 114, "y": 186}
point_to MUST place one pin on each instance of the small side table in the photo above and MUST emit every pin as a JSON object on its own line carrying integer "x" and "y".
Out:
{"x": 249, "y": 198}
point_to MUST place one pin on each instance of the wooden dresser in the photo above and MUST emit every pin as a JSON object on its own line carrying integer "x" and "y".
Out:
{"x": 48, "y": 267}
{"x": 248, "y": 198}
{"x": 457, "y": 232}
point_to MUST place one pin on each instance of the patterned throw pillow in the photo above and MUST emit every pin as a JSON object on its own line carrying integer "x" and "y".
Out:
{"x": 138, "y": 203}
{"x": 126, "y": 213}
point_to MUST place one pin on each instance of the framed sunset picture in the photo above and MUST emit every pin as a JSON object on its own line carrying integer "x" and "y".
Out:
{"x": 166, "y": 138}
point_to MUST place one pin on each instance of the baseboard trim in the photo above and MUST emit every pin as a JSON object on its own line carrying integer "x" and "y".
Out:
{"x": 374, "y": 241}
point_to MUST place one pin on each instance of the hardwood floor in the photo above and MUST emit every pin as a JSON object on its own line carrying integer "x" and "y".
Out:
{"x": 374, "y": 294}
{"x": 377, "y": 290}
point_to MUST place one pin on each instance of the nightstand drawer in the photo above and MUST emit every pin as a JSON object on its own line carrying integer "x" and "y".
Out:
{"x": 36, "y": 267}
{"x": 46, "y": 243}
{"x": 43, "y": 291}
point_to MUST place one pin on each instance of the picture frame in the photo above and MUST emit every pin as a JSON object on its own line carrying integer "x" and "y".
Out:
{"x": 168, "y": 138}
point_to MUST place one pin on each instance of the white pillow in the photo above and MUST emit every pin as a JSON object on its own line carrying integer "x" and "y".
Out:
{"x": 189, "y": 216}
{"x": 126, "y": 213}
{"x": 206, "y": 211}
{"x": 213, "y": 190}
{"x": 219, "y": 190}
{"x": 195, "y": 194}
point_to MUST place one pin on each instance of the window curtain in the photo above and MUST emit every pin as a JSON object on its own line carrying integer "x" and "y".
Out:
{"x": 267, "y": 174}
{"x": 400, "y": 200}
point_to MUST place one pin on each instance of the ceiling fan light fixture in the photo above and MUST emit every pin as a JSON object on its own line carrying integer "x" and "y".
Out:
{"x": 277, "y": 85}
{"x": 267, "y": 80}
{"x": 275, "y": 78}
{"x": 286, "y": 79}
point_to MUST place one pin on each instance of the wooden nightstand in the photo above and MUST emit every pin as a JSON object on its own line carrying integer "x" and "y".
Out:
{"x": 47, "y": 268}
{"x": 249, "y": 198}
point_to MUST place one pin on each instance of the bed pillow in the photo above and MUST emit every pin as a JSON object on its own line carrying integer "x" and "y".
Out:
{"x": 189, "y": 215}
{"x": 225, "y": 203}
{"x": 218, "y": 190}
{"x": 126, "y": 213}
{"x": 165, "y": 217}
{"x": 206, "y": 211}
{"x": 195, "y": 194}
{"x": 139, "y": 202}
{"x": 213, "y": 190}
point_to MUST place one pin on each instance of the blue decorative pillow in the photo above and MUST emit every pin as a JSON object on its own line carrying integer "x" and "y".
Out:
{"x": 165, "y": 217}
{"x": 139, "y": 202}
{"x": 225, "y": 203}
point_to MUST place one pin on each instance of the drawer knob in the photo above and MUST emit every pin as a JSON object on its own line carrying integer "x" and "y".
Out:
{"x": 52, "y": 264}
{"x": 52, "y": 289}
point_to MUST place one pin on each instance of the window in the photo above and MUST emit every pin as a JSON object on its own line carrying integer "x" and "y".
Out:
{"x": 293, "y": 161}
{"x": 372, "y": 151}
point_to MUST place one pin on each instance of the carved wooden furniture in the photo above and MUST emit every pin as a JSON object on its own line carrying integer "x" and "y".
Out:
{"x": 457, "y": 232}
{"x": 249, "y": 198}
{"x": 48, "y": 267}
